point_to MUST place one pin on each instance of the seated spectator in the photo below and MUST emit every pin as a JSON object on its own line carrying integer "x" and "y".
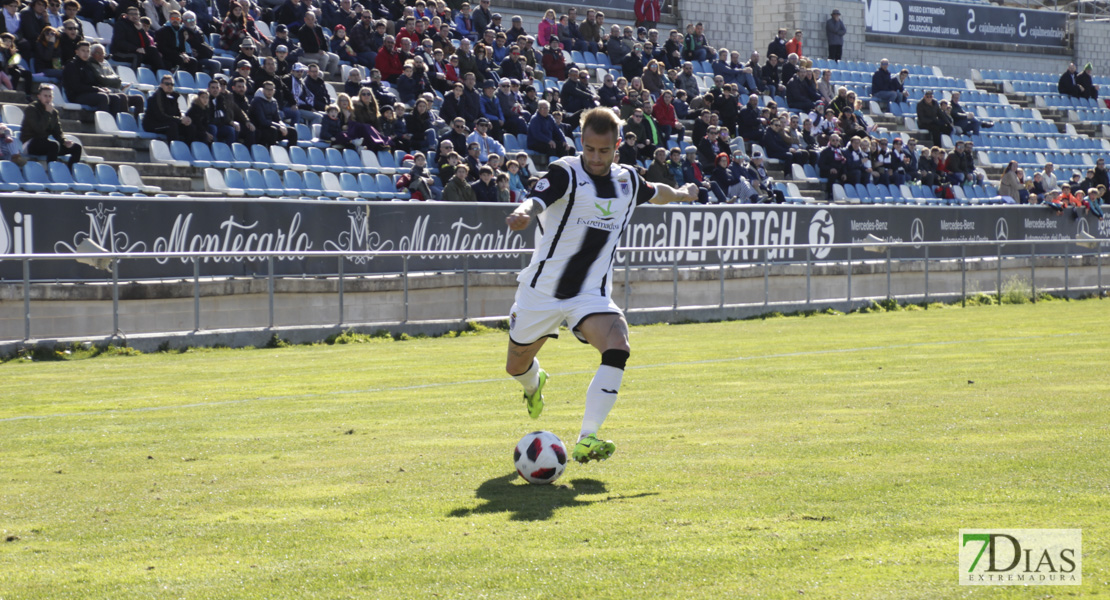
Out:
{"x": 266, "y": 117}
{"x": 47, "y": 53}
{"x": 417, "y": 181}
{"x": 1069, "y": 83}
{"x": 965, "y": 120}
{"x": 10, "y": 148}
{"x": 40, "y": 123}
{"x": 419, "y": 135}
{"x": 1087, "y": 88}
{"x": 238, "y": 26}
{"x": 458, "y": 188}
{"x": 315, "y": 45}
{"x": 832, "y": 164}
{"x": 1010, "y": 186}
{"x": 692, "y": 173}
{"x": 886, "y": 88}
{"x": 163, "y": 114}
{"x": 1048, "y": 176}
{"x": 81, "y": 80}
{"x": 292, "y": 46}
{"x": 553, "y": 61}
{"x": 172, "y": 42}
{"x": 544, "y": 136}
{"x": 695, "y": 46}
{"x": 485, "y": 189}
{"x": 801, "y": 92}
{"x": 133, "y": 45}
{"x": 931, "y": 118}
{"x": 200, "y": 127}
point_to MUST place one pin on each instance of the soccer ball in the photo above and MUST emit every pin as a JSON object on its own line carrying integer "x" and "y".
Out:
{"x": 540, "y": 457}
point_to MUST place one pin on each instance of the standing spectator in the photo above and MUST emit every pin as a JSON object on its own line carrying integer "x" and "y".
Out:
{"x": 40, "y": 123}
{"x": 266, "y": 117}
{"x": 794, "y": 46}
{"x": 835, "y": 30}
{"x": 647, "y": 13}
{"x": 1100, "y": 176}
{"x": 777, "y": 47}
{"x": 163, "y": 114}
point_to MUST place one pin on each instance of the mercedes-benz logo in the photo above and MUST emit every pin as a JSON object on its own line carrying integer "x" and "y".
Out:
{"x": 917, "y": 232}
{"x": 1002, "y": 229}
{"x": 1081, "y": 227}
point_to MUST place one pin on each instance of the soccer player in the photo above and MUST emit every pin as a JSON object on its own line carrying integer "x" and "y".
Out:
{"x": 583, "y": 203}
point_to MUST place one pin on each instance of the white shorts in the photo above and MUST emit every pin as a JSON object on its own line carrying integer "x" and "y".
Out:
{"x": 536, "y": 315}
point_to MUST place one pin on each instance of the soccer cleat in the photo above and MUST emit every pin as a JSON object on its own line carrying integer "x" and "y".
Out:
{"x": 590, "y": 448}
{"x": 534, "y": 402}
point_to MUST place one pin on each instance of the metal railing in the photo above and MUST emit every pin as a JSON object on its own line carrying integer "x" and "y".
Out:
{"x": 765, "y": 259}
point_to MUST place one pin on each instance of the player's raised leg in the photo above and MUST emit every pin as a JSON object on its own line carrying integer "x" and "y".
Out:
{"x": 609, "y": 334}
{"x": 522, "y": 364}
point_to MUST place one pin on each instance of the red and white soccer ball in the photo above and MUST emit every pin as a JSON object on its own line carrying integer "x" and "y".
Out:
{"x": 540, "y": 457}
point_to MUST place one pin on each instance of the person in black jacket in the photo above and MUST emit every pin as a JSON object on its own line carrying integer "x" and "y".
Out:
{"x": 1087, "y": 88}
{"x": 173, "y": 43}
{"x": 131, "y": 44}
{"x": 1067, "y": 84}
{"x": 163, "y": 114}
{"x": 40, "y": 123}
{"x": 32, "y": 20}
{"x": 266, "y": 117}
{"x": 315, "y": 45}
{"x": 79, "y": 79}
{"x": 200, "y": 114}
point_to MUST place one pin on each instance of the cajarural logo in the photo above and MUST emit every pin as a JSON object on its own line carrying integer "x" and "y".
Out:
{"x": 1021, "y": 557}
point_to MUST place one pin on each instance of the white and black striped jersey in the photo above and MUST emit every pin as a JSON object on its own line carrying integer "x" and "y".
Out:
{"x": 583, "y": 219}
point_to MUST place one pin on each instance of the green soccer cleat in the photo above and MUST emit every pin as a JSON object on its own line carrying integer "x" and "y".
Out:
{"x": 534, "y": 402}
{"x": 590, "y": 448}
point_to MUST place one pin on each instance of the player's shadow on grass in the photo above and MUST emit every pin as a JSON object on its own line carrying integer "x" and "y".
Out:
{"x": 536, "y": 502}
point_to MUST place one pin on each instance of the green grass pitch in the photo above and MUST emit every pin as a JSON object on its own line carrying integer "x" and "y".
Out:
{"x": 832, "y": 456}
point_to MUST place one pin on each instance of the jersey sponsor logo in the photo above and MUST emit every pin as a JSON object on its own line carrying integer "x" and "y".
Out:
{"x": 606, "y": 224}
{"x": 606, "y": 211}
{"x": 542, "y": 184}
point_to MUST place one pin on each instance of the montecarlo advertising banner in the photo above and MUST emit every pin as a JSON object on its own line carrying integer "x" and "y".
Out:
{"x": 57, "y": 225}
{"x": 968, "y": 23}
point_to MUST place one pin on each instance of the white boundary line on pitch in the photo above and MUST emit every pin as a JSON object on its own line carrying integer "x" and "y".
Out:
{"x": 501, "y": 379}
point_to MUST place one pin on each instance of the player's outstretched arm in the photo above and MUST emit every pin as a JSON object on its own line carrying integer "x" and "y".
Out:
{"x": 665, "y": 194}
{"x": 522, "y": 216}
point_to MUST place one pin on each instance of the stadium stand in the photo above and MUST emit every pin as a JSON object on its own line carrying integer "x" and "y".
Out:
{"x": 217, "y": 152}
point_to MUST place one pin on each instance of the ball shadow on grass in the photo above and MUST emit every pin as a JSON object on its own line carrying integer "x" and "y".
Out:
{"x": 535, "y": 502}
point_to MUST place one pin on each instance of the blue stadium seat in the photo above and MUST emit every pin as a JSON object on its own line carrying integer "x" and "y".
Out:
{"x": 298, "y": 157}
{"x": 369, "y": 185}
{"x": 127, "y": 122}
{"x": 387, "y": 187}
{"x": 253, "y": 182}
{"x": 353, "y": 162}
{"x": 272, "y": 181}
{"x": 312, "y": 185}
{"x": 316, "y": 160}
{"x": 106, "y": 174}
{"x": 350, "y": 185}
{"x": 34, "y": 173}
{"x": 7, "y": 185}
{"x": 242, "y": 154}
{"x": 304, "y": 136}
{"x": 59, "y": 172}
{"x": 180, "y": 151}
{"x": 84, "y": 175}
{"x": 335, "y": 160}
{"x": 184, "y": 82}
{"x": 260, "y": 157}
{"x": 11, "y": 174}
{"x": 202, "y": 152}
{"x": 222, "y": 152}
{"x": 147, "y": 78}
{"x": 234, "y": 180}
{"x": 387, "y": 161}
{"x": 294, "y": 183}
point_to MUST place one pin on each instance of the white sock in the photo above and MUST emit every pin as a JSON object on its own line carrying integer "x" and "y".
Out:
{"x": 600, "y": 398}
{"x": 530, "y": 379}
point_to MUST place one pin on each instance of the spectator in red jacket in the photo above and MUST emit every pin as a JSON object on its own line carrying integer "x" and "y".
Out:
{"x": 794, "y": 45}
{"x": 664, "y": 115}
{"x": 647, "y": 13}
{"x": 388, "y": 62}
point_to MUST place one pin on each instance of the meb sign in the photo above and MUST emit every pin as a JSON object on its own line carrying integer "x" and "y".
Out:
{"x": 1021, "y": 557}
{"x": 967, "y": 22}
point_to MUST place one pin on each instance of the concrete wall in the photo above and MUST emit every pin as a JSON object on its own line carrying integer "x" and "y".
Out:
{"x": 959, "y": 63}
{"x": 727, "y": 24}
{"x": 1093, "y": 46}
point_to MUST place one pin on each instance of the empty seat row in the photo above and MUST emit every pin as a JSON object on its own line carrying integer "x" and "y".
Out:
{"x": 34, "y": 178}
{"x": 220, "y": 155}
{"x": 306, "y": 184}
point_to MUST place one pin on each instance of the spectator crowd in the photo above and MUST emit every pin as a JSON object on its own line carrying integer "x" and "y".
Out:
{"x": 473, "y": 99}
